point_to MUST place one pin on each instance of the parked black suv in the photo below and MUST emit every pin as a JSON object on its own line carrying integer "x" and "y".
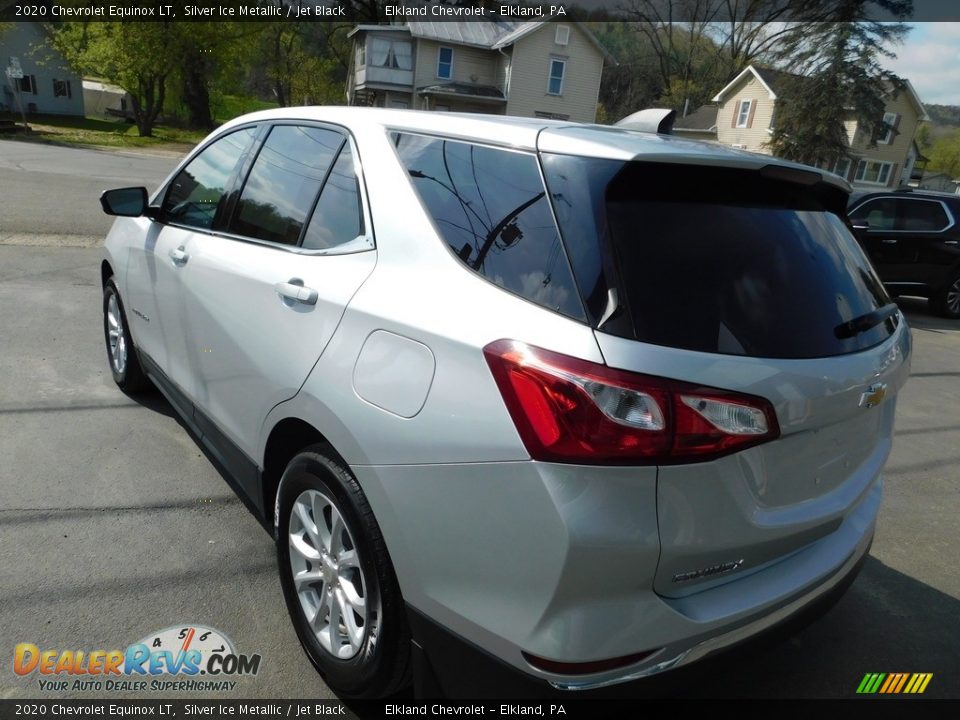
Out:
{"x": 913, "y": 239}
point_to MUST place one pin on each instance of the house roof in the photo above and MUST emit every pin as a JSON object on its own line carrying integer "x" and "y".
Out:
{"x": 749, "y": 70}
{"x": 487, "y": 34}
{"x": 479, "y": 33}
{"x": 774, "y": 80}
{"x": 701, "y": 120}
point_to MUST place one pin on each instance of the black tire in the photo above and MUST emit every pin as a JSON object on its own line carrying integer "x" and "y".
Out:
{"x": 128, "y": 375}
{"x": 380, "y": 665}
{"x": 947, "y": 301}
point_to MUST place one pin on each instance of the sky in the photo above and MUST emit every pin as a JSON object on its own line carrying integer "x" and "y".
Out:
{"x": 930, "y": 59}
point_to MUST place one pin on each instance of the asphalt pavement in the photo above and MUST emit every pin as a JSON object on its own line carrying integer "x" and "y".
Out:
{"x": 114, "y": 524}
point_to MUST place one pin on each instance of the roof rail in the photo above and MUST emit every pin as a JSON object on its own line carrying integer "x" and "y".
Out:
{"x": 651, "y": 120}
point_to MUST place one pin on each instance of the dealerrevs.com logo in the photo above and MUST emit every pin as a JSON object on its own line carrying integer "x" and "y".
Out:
{"x": 179, "y": 658}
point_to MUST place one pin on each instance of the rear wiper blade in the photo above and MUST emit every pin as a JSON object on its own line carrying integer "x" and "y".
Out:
{"x": 864, "y": 322}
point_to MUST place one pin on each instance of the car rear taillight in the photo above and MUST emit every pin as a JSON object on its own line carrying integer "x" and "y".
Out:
{"x": 575, "y": 411}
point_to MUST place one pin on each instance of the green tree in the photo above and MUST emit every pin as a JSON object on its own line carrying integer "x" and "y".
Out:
{"x": 137, "y": 56}
{"x": 945, "y": 155}
{"x": 924, "y": 141}
{"x": 838, "y": 77}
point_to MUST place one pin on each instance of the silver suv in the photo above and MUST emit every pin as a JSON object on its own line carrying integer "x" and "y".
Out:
{"x": 591, "y": 402}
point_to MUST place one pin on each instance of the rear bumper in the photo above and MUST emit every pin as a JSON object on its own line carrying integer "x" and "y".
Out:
{"x": 441, "y": 656}
{"x": 500, "y": 559}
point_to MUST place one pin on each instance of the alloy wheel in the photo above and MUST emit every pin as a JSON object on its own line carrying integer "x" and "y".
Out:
{"x": 328, "y": 578}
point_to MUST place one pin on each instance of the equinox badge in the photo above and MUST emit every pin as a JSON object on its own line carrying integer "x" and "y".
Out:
{"x": 874, "y": 395}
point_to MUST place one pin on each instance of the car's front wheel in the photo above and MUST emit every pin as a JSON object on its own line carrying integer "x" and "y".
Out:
{"x": 121, "y": 353}
{"x": 947, "y": 301}
{"x": 338, "y": 581}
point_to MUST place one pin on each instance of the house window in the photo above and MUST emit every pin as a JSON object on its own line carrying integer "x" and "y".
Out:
{"x": 873, "y": 173}
{"x": 890, "y": 120}
{"x": 743, "y": 114}
{"x": 555, "y": 82}
{"x": 61, "y": 88}
{"x": 28, "y": 84}
{"x": 445, "y": 63}
{"x": 840, "y": 166}
{"x": 361, "y": 53}
{"x": 562, "y": 36}
{"x": 394, "y": 54}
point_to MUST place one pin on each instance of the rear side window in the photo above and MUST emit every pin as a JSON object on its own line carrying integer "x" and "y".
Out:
{"x": 337, "y": 218}
{"x": 922, "y": 216}
{"x": 198, "y": 193}
{"x": 727, "y": 261}
{"x": 491, "y": 208}
{"x": 284, "y": 181}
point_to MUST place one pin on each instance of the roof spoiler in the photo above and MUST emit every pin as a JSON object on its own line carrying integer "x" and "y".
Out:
{"x": 652, "y": 120}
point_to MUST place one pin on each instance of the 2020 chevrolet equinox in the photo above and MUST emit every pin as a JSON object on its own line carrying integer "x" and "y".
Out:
{"x": 594, "y": 402}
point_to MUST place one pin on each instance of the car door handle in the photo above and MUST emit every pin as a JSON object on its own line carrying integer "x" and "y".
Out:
{"x": 179, "y": 257}
{"x": 949, "y": 242}
{"x": 889, "y": 241}
{"x": 297, "y": 293}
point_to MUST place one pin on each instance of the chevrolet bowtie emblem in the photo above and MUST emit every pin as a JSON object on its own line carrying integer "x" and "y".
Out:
{"x": 874, "y": 395}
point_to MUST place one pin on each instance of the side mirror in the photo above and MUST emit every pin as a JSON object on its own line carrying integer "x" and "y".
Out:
{"x": 125, "y": 202}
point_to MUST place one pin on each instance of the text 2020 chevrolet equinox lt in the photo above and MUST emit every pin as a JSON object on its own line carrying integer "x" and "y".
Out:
{"x": 591, "y": 401}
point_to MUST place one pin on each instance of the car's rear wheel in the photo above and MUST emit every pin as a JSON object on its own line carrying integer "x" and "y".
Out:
{"x": 947, "y": 301}
{"x": 338, "y": 581}
{"x": 121, "y": 353}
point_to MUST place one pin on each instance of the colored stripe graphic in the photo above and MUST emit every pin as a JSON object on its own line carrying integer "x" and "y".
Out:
{"x": 894, "y": 683}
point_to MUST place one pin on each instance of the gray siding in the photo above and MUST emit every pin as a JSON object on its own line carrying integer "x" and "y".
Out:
{"x": 28, "y": 42}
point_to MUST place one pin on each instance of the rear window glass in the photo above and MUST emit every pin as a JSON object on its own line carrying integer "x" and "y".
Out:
{"x": 726, "y": 261}
{"x": 491, "y": 208}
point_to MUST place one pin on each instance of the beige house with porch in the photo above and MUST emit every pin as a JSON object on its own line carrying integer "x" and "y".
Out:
{"x": 548, "y": 69}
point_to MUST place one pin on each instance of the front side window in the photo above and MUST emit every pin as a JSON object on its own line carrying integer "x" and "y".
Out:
{"x": 743, "y": 116}
{"x": 284, "y": 181}
{"x": 197, "y": 195}
{"x": 445, "y": 63}
{"x": 873, "y": 173}
{"x": 879, "y": 214}
{"x": 491, "y": 208}
{"x": 555, "y": 83}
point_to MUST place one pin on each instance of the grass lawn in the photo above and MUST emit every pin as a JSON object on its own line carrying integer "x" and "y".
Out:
{"x": 109, "y": 133}
{"x": 119, "y": 134}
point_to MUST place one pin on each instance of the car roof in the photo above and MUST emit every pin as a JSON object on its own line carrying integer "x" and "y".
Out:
{"x": 545, "y": 135}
